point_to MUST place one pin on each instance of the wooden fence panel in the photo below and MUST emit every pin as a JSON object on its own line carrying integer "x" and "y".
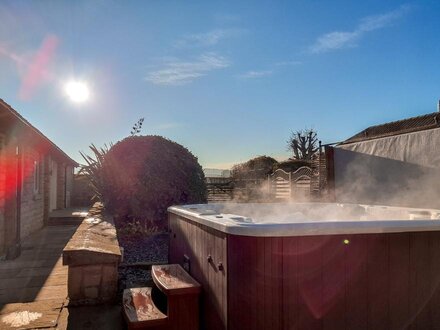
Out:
{"x": 291, "y": 185}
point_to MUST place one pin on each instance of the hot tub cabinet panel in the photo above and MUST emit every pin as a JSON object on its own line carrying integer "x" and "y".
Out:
{"x": 195, "y": 243}
{"x": 376, "y": 281}
{"x": 371, "y": 281}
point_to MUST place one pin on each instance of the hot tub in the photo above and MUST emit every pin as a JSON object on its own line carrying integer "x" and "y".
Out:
{"x": 311, "y": 265}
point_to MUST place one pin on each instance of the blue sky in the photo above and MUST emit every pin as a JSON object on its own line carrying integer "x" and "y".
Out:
{"x": 227, "y": 79}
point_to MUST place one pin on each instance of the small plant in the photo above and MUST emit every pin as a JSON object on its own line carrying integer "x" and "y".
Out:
{"x": 137, "y": 228}
{"x": 136, "y": 129}
{"x": 93, "y": 170}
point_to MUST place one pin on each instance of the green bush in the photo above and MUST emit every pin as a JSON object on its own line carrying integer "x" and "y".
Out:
{"x": 254, "y": 169}
{"x": 144, "y": 175}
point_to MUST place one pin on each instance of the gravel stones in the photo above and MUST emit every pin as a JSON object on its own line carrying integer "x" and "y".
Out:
{"x": 139, "y": 251}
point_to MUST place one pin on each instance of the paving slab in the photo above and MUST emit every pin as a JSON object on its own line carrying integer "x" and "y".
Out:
{"x": 29, "y": 294}
{"x": 35, "y": 281}
{"x": 38, "y": 273}
{"x": 33, "y": 289}
{"x": 55, "y": 261}
{"x": 43, "y": 314}
{"x": 108, "y": 317}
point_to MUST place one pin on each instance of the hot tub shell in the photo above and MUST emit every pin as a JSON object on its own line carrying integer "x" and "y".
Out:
{"x": 264, "y": 273}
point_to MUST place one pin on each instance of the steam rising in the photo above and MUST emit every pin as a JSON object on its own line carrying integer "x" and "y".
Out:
{"x": 312, "y": 212}
{"x": 400, "y": 171}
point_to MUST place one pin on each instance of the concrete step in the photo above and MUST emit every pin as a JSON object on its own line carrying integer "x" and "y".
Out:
{"x": 67, "y": 217}
{"x": 64, "y": 221}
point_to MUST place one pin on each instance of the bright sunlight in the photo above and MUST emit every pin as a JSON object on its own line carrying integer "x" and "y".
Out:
{"x": 77, "y": 91}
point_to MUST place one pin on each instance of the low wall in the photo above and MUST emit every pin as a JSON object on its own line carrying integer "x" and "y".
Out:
{"x": 93, "y": 255}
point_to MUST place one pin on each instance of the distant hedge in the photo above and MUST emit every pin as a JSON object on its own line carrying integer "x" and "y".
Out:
{"x": 291, "y": 165}
{"x": 254, "y": 169}
{"x": 144, "y": 175}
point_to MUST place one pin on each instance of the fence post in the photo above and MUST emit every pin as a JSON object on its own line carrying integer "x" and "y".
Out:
{"x": 319, "y": 169}
{"x": 269, "y": 188}
{"x": 330, "y": 172}
{"x": 290, "y": 184}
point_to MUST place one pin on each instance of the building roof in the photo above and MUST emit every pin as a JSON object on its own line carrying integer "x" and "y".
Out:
{"x": 216, "y": 173}
{"x": 413, "y": 124}
{"x": 5, "y": 106}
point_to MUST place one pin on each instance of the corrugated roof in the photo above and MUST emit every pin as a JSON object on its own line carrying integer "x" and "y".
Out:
{"x": 413, "y": 124}
{"x": 20, "y": 118}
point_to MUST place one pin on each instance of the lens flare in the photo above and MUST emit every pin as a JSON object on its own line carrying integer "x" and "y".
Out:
{"x": 38, "y": 70}
{"x": 77, "y": 91}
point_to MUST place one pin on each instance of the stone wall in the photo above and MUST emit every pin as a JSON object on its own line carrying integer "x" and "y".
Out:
{"x": 32, "y": 200}
{"x": 93, "y": 255}
{"x": 61, "y": 189}
{"x": 69, "y": 185}
{"x": 9, "y": 173}
{"x": 2, "y": 196}
{"x": 46, "y": 187}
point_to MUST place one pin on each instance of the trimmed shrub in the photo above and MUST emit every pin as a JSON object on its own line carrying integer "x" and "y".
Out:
{"x": 250, "y": 179}
{"x": 144, "y": 175}
{"x": 254, "y": 169}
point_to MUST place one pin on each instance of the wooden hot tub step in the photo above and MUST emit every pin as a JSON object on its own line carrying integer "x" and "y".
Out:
{"x": 182, "y": 292}
{"x": 174, "y": 280}
{"x": 140, "y": 311}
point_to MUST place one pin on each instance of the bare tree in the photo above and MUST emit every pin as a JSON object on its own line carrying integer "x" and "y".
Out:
{"x": 303, "y": 144}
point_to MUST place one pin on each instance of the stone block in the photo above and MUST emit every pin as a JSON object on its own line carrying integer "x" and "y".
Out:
{"x": 94, "y": 249}
{"x": 109, "y": 273}
{"x": 74, "y": 281}
{"x": 109, "y": 284}
{"x": 92, "y": 275}
{"x": 91, "y": 292}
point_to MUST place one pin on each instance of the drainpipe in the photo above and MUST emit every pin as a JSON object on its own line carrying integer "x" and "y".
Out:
{"x": 319, "y": 169}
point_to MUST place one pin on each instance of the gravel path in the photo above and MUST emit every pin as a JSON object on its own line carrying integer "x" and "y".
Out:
{"x": 149, "y": 249}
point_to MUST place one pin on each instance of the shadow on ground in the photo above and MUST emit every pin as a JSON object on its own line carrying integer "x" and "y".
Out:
{"x": 108, "y": 317}
{"x": 37, "y": 274}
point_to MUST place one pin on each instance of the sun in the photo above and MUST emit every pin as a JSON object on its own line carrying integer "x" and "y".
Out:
{"x": 77, "y": 91}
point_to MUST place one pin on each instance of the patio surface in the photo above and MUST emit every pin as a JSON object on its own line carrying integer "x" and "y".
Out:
{"x": 33, "y": 288}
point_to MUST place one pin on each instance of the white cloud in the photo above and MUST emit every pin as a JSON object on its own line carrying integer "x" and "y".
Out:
{"x": 335, "y": 40}
{"x": 376, "y": 22}
{"x": 256, "y": 74}
{"x": 178, "y": 72}
{"x": 210, "y": 38}
{"x": 276, "y": 67}
{"x": 345, "y": 39}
